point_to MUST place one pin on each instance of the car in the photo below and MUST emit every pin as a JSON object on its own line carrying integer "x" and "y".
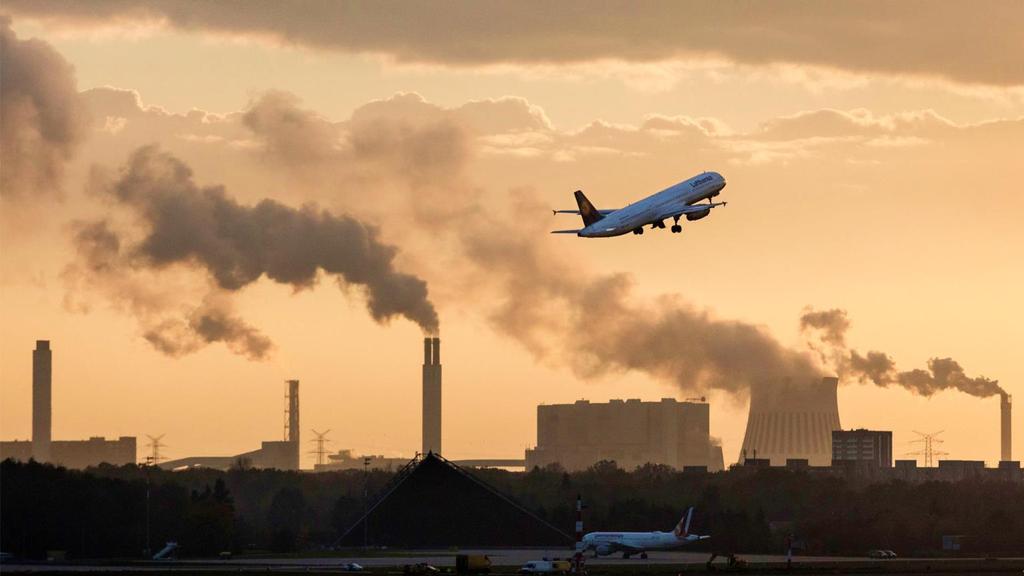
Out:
{"x": 881, "y": 554}
{"x": 352, "y": 567}
{"x": 890, "y": 554}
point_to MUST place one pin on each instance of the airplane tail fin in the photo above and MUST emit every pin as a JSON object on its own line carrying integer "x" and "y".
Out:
{"x": 587, "y": 210}
{"x": 683, "y": 527}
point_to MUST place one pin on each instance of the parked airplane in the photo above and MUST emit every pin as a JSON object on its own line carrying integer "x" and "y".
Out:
{"x": 629, "y": 543}
{"x": 673, "y": 202}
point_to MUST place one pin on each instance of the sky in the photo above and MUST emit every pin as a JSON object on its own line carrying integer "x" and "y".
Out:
{"x": 198, "y": 204}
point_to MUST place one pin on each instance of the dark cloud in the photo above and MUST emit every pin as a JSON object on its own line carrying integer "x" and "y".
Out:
{"x": 977, "y": 42}
{"x": 829, "y": 327}
{"x": 41, "y": 120}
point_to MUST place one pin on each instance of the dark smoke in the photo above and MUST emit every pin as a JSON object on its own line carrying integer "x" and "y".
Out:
{"x": 829, "y": 327}
{"x": 41, "y": 120}
{"x": 185, "y": 225}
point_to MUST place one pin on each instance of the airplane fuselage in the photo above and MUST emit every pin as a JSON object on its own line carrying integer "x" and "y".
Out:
{"x": 657, "y": 207}
{"x": 604, "y": 543}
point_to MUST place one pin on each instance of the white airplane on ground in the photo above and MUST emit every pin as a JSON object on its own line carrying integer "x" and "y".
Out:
{"x": 673, "y": 202}
{"x": 629, "y": 543}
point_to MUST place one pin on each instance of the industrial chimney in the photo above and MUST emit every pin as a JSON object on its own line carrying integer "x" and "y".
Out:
{"x": 42, "y": 405}
{"x": 292, "y": 411}
{"x": 792, "y": 421}
{"x": 431, "y": 395}
{"x": 1006, "y": 443}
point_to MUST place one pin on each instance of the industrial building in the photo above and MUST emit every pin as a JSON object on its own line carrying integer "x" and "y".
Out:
{"x": 68, "y": 453}
{"x": 873, "y": 447}
{"x": 792, "y": 421}
{"x": 344, "y": 460}
{"x": 279, "y": 454}
{"x": 631, "y": 433}
{"x": 431, "y": 396}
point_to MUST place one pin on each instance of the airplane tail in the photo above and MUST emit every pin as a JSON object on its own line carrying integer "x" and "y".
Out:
{"x": 587, "y": 210}
{"x": 682, "y": 529}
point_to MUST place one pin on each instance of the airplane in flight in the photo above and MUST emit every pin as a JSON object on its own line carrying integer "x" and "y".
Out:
{"x": 629, "y": 543}
{"x": 673, "y": 202}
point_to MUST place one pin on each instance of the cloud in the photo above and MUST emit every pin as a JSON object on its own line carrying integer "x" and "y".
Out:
{"x": 976, "y": 43}
{"x": 41, "y": 120}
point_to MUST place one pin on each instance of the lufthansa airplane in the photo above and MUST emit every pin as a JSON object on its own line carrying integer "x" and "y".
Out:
{"x": 673, "y": 202}
{"x": 629, "y": 543}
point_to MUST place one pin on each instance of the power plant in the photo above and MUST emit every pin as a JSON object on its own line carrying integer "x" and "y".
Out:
{"x": 792, "y": 421}
{"x": 68, "y": 453}
{"x": 1005, "y": 428}
{"x": 431, "y": 396}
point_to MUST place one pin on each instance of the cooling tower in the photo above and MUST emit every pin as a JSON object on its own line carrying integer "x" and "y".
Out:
{"x": 791, "y": 420}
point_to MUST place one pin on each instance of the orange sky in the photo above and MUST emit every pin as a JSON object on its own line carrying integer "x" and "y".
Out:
{"x": 869, "y": 169}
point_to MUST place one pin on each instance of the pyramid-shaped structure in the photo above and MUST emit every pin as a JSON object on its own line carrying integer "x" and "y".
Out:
{"x": 433, "y": 503}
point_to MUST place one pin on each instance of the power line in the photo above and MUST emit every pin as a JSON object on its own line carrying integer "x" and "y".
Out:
{"x": 928, "y": 442}
{"x": 155, "y": 445}
{"x": 321, "y": 449}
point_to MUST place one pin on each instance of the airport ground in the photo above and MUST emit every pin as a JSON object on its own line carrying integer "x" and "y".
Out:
{"x": 508, "y": 561}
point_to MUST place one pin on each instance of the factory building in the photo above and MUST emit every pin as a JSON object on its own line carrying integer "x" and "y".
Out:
{"x": 792, "y": 421}
{"x": 872, "y": 447}
{"x": 277, "y": 454}
{"x": 431, "y": 396}
{"x": 68, "y": 453}
{"x": 630, "y": 432}
{"x": 345, "y": 460}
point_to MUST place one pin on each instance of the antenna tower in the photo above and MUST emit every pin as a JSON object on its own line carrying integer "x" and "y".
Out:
{"x": 928, "y": 442}
{"x": 321, "y": 450}
{"x": 155, "y": 445}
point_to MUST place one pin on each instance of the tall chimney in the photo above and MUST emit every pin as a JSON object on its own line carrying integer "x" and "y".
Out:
{"x": 42, "y": 404}
{"x": 293, "y": 411}
{"x": 431, "y": 395}
{"x": 1006, "y": 444}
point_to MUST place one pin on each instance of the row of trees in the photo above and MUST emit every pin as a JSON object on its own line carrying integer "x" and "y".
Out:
{"x": 114, "y": 511}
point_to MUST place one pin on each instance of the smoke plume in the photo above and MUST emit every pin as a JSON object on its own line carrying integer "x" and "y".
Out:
{"x": 202, "y": 228}
{"x": 41, "y": 120}
{"x": 826, "y": 333}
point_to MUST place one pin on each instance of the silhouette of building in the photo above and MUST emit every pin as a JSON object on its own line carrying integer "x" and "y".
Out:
{"x": 631, "y": 433}
{"x": 432, "y": 503}
{"x": 792, "y": 421}
{"x": 344, "y": 460}
{"x": 278, "y": 454}
{"x": 68, "y": 453}
{"x": 873, "y": 447}
{"x": 431, "y": 395}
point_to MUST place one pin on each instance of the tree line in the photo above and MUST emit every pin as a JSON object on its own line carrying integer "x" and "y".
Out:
{"x": 111, "y": 511}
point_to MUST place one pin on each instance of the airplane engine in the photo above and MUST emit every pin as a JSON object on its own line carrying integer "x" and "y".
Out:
{"x": 698, "y": 215}
{"x": 603, "y": 549}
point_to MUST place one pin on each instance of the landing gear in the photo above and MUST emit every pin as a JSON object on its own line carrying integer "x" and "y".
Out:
{"x": 638, "y": 231}
{"x": 658, "y": 224}
{"x": 676, "y": 228}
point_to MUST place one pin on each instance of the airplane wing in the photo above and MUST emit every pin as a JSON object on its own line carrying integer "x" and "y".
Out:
{"x": 694, "y": 209}
{"x": 577, "y": 212}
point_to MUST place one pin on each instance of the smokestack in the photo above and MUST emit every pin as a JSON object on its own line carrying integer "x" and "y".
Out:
{"x": 42, "y": 405}
{"x": 431, "y": 395}
{"x": 293, "y": 411}
{"x": 1006, "y": 444}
